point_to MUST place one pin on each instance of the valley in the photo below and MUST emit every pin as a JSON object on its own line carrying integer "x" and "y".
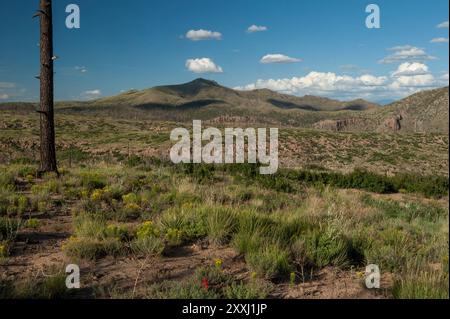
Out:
{"x": 354, "y": 187}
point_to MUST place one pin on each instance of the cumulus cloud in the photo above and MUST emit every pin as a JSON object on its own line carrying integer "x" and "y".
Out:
{"x": 198, "y": 35}
{"x": 408, "y": 78}
{"x": 4, "y": 96}
{"x": 406, "y": 53}
{"x": 91, "y": 94}
{"x": 425, "y": 80}
{"x": 439, "y": 40}
{"x": 319, "y": 83}
{"x": 203, "y": 65}
{"x": 256, "y": 28}
{"x": 411, "y": 69}
{"x": 443, "y": 25}
{"x": 278, "y": 58}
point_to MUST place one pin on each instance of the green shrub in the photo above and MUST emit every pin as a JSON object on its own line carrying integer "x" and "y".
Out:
{"x": 251, "y": 232}
{"x": 92, "y": 181}
{"x": 117, "y": 231}
{"x": 283, "y": 180}
{"x": 185, "y": 290}
{"x": 270, "y": 261}
{"x": 323, "y": 248}
{"x": 422, "y": 285}
{"x": 93, "y": 249}
{"x": 32, "y": 223}
{"x": 251, "y": 290}
{"x": 391, "y": 248}
{"x": 201, "y": 173}
{"x": 4, "y": 249}
{"x": 9, "y": 228}
{"x": 148, "y": 246}
{"x": 7, "y": 179}
{"x": 407, "y": 211}
{"x": 147, "y": 229}
{"x": 50, "y": 287}
{"x": 194, "y": 287}
{"x": 220, "y": 224}
{"x": 90, "y": 226}
{"x": 191, "y": 223}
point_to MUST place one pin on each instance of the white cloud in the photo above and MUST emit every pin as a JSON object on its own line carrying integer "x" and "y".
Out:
{"x": 256, "y": 28}
{"x": 198, "y": 35}
{"x": 407, "y": 79}
{"x": 423, "y": 80}
{"x": 439, "y": 40}
{"x": 81, "y": 69}
{"x": 4, "y": 96}
{"x": 411, "y": 69}
{"x": 406, "y": 53}
{"x": 319, "y": 83}
{"x": 91, "y": 94}
{"x": 443, "y": 25}
{"x": 203, "y": 65}
{"x": 278, "y": 58}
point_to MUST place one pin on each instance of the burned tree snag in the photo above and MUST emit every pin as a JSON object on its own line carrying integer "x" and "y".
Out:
{"x": 46, "y": 112}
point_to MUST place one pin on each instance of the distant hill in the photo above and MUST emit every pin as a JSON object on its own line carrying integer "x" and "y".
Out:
{"x": 426, "y": 111}
{"x": 201, "y": 93}
{"x": 206, "y": 100}
{"x": 423, "y": 112}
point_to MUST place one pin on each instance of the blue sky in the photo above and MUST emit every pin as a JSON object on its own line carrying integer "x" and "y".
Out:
{"x": 321, "y": 47}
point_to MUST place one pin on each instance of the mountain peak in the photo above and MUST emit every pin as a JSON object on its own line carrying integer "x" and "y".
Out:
{"x": 191, "y": 88}
{"x": 204, "y": 82}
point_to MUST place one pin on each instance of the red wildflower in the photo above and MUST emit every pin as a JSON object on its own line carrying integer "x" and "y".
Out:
{"x": 205, "y": 283}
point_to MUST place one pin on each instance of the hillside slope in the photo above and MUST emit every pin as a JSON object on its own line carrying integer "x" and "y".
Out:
{"x": 200, "y": 93}
{"x": 426, "y": 111}
{"x": 423, "y": 112}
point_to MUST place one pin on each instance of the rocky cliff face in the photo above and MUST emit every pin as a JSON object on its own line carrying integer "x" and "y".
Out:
{"x": 338, "y": 125}
{"x": 394, "y": 123}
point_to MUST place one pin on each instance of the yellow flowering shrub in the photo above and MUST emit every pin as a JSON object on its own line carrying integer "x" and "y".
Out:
{"x": 117, "y": 231}
{"x": 174, "y": 236}
{"x": 130, "y": 198}
{"x": 147, "y": 229}
{"x": 132, "y": 207}
{"x": 97, "y": 195}
{"x": 218, "y": 262}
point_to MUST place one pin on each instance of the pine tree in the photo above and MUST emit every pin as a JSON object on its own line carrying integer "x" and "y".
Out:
{"x": 46, "y": 111}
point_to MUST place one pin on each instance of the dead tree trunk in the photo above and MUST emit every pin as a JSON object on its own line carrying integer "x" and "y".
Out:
{"x": 47, "y": 123}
